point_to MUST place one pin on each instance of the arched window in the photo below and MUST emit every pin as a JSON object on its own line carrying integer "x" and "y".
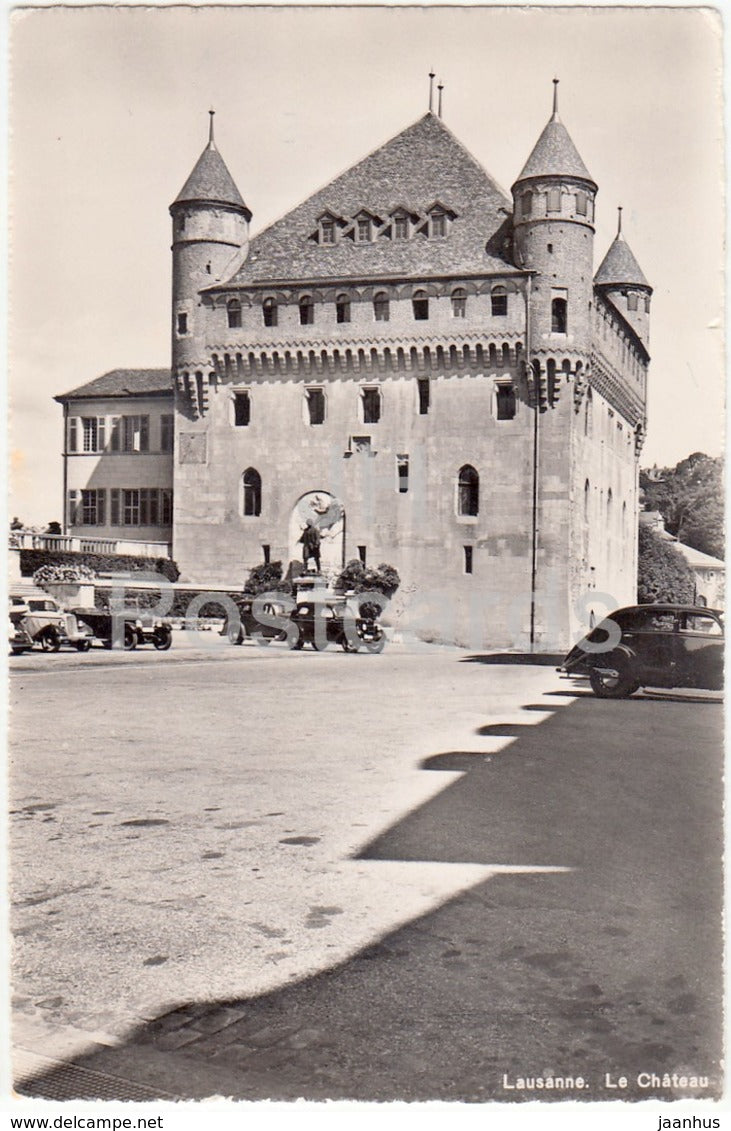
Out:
{"x": 554, "y": 200}
{"x": 381, "y": 310}
{"x": 233, "y": 308}
{"x": 342, "y": 308}
{"x": 526, "y": 203}
{"x": 558, "y": 315}
{"x": 459, "y": 302}
{"x": 307, "y": 311}
{"x": 499, "y": 301}
{"x": 468, "y": 491}
{"x": 588, "y": 413}
{"x": 251, "y": 480}
{"x": 420, "y": 303}
{"x": 271, "y": 314}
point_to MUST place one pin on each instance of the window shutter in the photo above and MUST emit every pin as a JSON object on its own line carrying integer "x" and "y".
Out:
{"x": 73, "y": 506}
{"x": 114, "y": 444}
{"x": 73, "y": 434}
{"x": 114, "y": 506}
{"x": 144, "y": 433}
{"x": 101, "y": 426}
{"x": 101, "y": 497}
{"x": 154, "y": 507}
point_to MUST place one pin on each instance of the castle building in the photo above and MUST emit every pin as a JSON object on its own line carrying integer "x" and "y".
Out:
{"x": 427, "y": 368}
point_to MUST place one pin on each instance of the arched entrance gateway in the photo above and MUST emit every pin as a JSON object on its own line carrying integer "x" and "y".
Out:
{"x": 328, "y": 514}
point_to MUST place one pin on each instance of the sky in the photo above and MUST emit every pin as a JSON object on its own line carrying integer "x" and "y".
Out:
{"x": 108, "y": 112}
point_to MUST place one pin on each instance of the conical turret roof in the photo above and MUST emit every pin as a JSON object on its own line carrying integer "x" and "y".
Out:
{"x": 555, "y": 154}
{"x": 619, "y": 267}
{"x": 210, "y": 181}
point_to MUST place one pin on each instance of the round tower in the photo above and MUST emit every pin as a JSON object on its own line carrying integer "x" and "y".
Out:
{"x": 553, "y": 235}
{"x": 621, "y": 280}
{"x": 210, "y": 240}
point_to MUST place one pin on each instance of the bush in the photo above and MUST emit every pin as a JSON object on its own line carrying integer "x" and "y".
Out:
{"x": 266, "y": 578}
{"x": 182, "y": 599}
{"x": 32, "y": 560}
{"x": 359, "y": 578}
{"x": 71, "y": 573}
{"x": 663, "y": 574}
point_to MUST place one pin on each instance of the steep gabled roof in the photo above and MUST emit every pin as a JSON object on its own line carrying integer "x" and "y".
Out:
{"x": 123, "y": 383}
{"x": 210, "y": 182}
{"x": 619, "y": 267}
{"x": 422, "y": 164}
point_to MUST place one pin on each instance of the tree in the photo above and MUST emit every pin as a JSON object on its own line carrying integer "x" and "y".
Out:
{"x": 361, "y": 579}
{"x": 663, "y": 574}
{"x": 689, "y": 496}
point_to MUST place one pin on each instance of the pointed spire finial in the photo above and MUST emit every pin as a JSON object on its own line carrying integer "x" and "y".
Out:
{"x": 555, "y": 100}
{"x": 440, "y": 88}
{"x": 210, "y": 128}
{"x": 431, "y": 89}
{"x": 619, "y": 221}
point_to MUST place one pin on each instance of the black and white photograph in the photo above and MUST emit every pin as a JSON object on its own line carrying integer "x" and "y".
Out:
{"x": 366, "y": 573}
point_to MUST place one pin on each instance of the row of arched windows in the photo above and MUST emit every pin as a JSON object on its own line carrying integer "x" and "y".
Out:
{"x": 420, "y": 303}
{"x": 468, "y": 490}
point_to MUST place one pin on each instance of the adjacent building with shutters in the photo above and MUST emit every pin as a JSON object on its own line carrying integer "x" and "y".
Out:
{"x": 426, "y": 366}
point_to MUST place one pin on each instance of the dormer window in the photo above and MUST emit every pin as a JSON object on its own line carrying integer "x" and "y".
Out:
{"x": 233, "y": 310}
{"x": 401, "y": 227}
{"x": 437, "y": 225}
{"x": 270, "y": 312}
{"x": 364, "y": 229}
{"x": 327, "y": 230}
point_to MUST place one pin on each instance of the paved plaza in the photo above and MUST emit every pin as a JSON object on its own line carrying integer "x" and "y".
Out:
{"x": 413, "y": 875}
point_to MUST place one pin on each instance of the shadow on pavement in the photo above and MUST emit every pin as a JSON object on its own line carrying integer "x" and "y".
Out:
{"x": 535, "y": 659}
{"x": 612, "y": 966}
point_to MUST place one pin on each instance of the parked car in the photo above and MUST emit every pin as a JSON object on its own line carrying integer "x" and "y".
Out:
{"x": 140, "y": 627}
{"x": 249, "y": 625}
{"x": 42, "y": 621}
{"x": 18, "y": 637}
{"x": 651, "y": 646}
{"x": 341, "y": 626}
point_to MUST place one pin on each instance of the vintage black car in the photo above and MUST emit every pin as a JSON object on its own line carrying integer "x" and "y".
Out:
{"x": 41, "y": 620}
{"x": 651, "y": 646}
{"x": 320, "y": 623}
{"x": 249, "y": 625}
{"x": 139, "y": 627}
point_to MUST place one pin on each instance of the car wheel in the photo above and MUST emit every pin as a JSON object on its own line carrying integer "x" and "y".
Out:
{"x": 130, "y": 638}
{"x": 349, "y": 645}
{"x": 50, "y": 639}
{"x": 614, "y": 680}
{"x": 162, "y": 638}
{"x": 83, "y": 645}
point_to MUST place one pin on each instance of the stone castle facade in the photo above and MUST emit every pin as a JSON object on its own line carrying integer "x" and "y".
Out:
{"x": 429, "y": 369}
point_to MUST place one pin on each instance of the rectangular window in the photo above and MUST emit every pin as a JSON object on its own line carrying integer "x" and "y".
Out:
{"x": 554, "y": 200}
{"x": 467, "y": 559}
{"x": 381, "y": 310}
{"x": 73, "y": 434}
{"x": 632, "y": 301}
{"x": 92, "y": 507}
{"x": 581, "y": 204}
{"x": 307, "y": 312}
{"x": 182, "y": 323}
{"x": 166, "y": 500}
{"x": 136, "y": 433}
{"x": 342, "y": 310}
{"x": 371, "y": 401}
{"x": 424, "y": 385}
{"x": 402, "y": 467}
{"x": 364, "y": 231}
{"x": 167, "y": 432}
{"x": 421, "y": 307}
{"x": 505, "y": 402}
{"x": 315, "y": 406}
{"x": 242, "y": 409}
{"x": 92, "y": 428}
{"x": 266, "y": 552}
{"x": 328, "y": 231}
{"x": 401, "y": 228}
{"x": 438, "y": 224}
{"x": 131, "y": 507}
{"x": 269, "y": 309}
{"x": 73, "y": 503}
{"x": 362, "y": 554}
{"x": 499, "y": 302}
{"x": 114, "y": 506}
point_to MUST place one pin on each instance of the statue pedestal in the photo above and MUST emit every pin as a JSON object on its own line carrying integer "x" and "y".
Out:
{"x": 310, "y": 586}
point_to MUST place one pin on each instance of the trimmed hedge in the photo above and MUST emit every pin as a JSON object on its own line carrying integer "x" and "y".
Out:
{"x": 31, "y": 560}
{"x": 182, "y": 599}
